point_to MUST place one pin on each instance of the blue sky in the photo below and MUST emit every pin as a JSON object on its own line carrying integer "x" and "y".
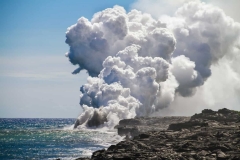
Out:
{"x": 26, "y": 25}
{"x": 35, "y": 76}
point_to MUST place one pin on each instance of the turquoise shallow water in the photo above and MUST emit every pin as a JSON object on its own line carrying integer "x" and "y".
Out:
{"x": 47, "y": 139}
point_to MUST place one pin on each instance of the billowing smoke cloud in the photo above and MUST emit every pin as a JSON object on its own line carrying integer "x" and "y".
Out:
{"x": 139, "y": 66}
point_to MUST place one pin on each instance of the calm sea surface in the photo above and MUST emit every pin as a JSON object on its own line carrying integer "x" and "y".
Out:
{"x": 49, "y": 139}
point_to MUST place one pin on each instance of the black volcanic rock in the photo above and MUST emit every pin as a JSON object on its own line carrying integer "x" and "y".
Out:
{"x": 209, "y": 135}
{"x": 134, "y": 127}
{"x": 222, "y": 115}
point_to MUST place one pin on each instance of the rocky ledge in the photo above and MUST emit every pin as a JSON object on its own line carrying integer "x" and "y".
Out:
{"x": 209, "y": 135}
{"x": 139, "y": 125}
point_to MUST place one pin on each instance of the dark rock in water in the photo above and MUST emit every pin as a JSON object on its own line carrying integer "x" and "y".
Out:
{"x": 208, "y": 135}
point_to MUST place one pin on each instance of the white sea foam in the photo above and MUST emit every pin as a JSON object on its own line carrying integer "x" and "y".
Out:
{"x": 69, "y": 127}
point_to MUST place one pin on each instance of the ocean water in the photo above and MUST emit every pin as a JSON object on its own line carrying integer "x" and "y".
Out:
{"x": 50, "y": 139}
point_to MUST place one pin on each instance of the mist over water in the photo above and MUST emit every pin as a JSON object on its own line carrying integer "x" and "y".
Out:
{"x": 142, "y": 66}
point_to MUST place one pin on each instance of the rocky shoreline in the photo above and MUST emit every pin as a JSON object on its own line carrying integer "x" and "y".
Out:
{"x": 209, "y": 135}
{"x": 136, "y": 126}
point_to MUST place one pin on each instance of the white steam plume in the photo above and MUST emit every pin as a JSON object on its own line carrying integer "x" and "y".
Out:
{"x": 140, "y": 66}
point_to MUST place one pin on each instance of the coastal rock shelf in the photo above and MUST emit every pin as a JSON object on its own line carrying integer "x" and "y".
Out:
{"x": 209, "y": 135}
{"x": 134, "y": 127}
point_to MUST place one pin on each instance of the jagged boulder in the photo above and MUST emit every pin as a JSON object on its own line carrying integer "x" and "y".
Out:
{"x": 222, "y": 115}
